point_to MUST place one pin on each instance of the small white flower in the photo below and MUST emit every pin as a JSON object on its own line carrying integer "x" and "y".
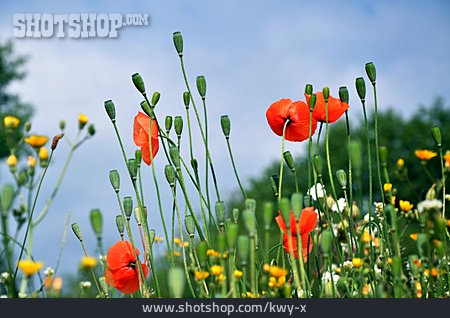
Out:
{"x": 326, "y": 278}
{"x": 378, "y": 207}
{"x": 429, "y": 205}
{"x": 85, "y": 285}
{"x": 340, "y": 206}
{"x": 377, "y": 271}
{"x": 320, "y": 193}
{"x": 3, "y": 296}
{"x": 348, "y": 264}
{"x": 447, "y": 197}
{"x": 49, "y": 271}
{"x": 4, "y": 277}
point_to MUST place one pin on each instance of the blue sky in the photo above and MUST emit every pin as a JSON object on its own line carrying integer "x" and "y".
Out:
{"x": 252, "y": 53}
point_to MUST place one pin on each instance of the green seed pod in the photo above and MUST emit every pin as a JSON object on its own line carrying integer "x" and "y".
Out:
{"x": 186, "y": 99}
{"x": 138, "y": 156}
{"x": 227, "y": 222}
{"x": 155, "y": 98}
{"x": 342, "y": 178}
{"x": 76, "y": 230}
{"x": 326, "y": 242}
{"x": 326, "y": 93}
{"x": 110, "y": 110}
{"x": 104, "y": 285}
{"x": 177, "y": 281}
{"x": 232, "y": 235}
{"x": 27, "y": 126}
{"x": 371, "y": 72}
{"x": 317, "y": 164}
{"x": 268, "y": 215}
{"x": 128, "y": 206}
{"x": 250, "y": 204}
{"x": 190, "y": 225}
{"x": 152, "y": 235}
{"x": 422, "y": 245}
{"x": 286, "y": 290}
{"x": 249, "y": 221}
{"x": 138, "y": 82}
{"x": 343, "y": 94}
{"x": 178, "y": 125}
{"x": 361, "y": 88}
{"x": 356, "y": 155}
{"x": 312, "y": 102}
{"x": 146, "y": 108}
{"x": 168, "y": 123}
{"x": 297, "y": 204}
{"x": 220, "y": 212}
{"x": 120, "y": 223}
{"x": 178, "y": 42}
{"x": 170, "y": 173}
{"x": 202, "y": 247}
{"x": 7, "y": 197}
{"x": 383, "y": 155}
{"x": 194, "y": 164}
{"x": 132, "y": 168}
{"x": 22, "y": 178}
{"x": 235, "y": 213}
{"x": 221, "y": 242}
{"x": 62, "y": 125}
{"x": 437, "y": 136}
{"x": 289, "y": 160}
{"x": 96, "y": 222}
{"x": 274, "y": 181}
{"x": 91, "y": 129}
{"x": 308, "y": 89}
{"x": 201, "y": 86}
{"x": 138, "y": 216}
{"x": 225, "y": 123}
{"x": 285, "y": 208}
{"x": 242, "y": 249}
{"x": 114, "y": 178}
{"x": 175, "y": 156}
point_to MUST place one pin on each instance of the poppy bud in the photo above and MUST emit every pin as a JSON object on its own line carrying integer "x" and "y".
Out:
{"x": 312, "y": 102}
{"x": 268, "y": 215}
{"x": 361, "y": 88}
{"x": 110, "y": 110}
{"x": 138, "y": 82}
{"x": 202, "y": 247}
{"x": 194, "y": 164}
{"x": 186, "y": 99}
{"x": 342, "y": 178}
{"x": 76, "y": 230}
{"x": 437, "y": 136}
{"x": 138, "y": 156}
{"x": 175, "y": 156}
{"x": 56, "y": 140}
{"x": 114, "y": 178}
{"x": 178, "y": 125}
{"x": 249, "y": 221}
{"x": 343, "y": 94}
{"x": 137, "y": 215}
{"x": 168, "y": 122}
{"x": 289, "y": 160}
{"x": 152, "y": 235}
{"x": 91, "y": 129}
{"x": 250, "y": 204}
{"x": 132, "y": 168}
{"x": 232, "y": 235}
{"x": 317, "y": 164}
{"x": 326, "y": 242}
{"x": 128, "y": 206}
{"x": 27, "y": 126}
{"x": 201, "y": 86}
{"x": 326, "y": 93}
{"x": 190, "y": 225}
{"x": 274, "y": 181}
{"x": 170, "y": 173}
{"x": 96, "y": 222}
{"x": 62, "y": 125}
{"x": 225, "y": 123}
{"x": 120, "y": 223}
{"x": 371, "y": 72}
{"x": 220, "y": 212}
{"x": 103, "y": 284}
{"x": 285, "y": 208}
{"x": 383, "y": 155}
{"x": 297, "y": 204}
{"x": 146, "y": 108}
{"x": 286, "y": 290}
{"x": 178, "y": 42}
{"x": 243, "y": 249}
{"x": 155, "y": 98}
{"x": 7, "y": 197}
{"x": 308, "y": 89}
{"x": 221, "y": 242}
{"x": 177, "y": 281}
{"x": 235, "y": 213}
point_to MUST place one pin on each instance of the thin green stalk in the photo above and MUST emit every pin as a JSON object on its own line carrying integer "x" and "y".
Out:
{"x": 92, "y": 272}
{"x": 235, "y": 170}
{"x": 206, "y": 154}
{"x": 309, "y": 154}
{"x": 443, "y": 184}
{"x": 377, "y": 148}
{"x": 253, "y": 279}
{"x": 280, "y": 185}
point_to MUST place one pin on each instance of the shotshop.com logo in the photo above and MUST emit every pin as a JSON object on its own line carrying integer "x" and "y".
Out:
{"x": 74, "y": 25}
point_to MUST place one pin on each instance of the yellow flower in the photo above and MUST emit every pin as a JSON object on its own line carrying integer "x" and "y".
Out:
{"x": 448, "y": 222}
{"x": 418, "y": 289}
{"x": 30, "y": 267}
{"x": 387, "y": 187}
{"x": 405, "y": 205}
{"x": 414, "y": 236}
{"x": 400, "y": 163}
{"x": 434, "y": 272}
{"x": 366, "y": 237}
{"x": 36, "y": 141}
{"x": 177, "y": 241}
{"x": 186, "y": 244}
{"x": 82, "y": 120}
{"x": 277, "y": 271}
{"x": 393, "y": 200}
{"x": 221, "y": 278}
{"x": 238, "y": 274}
{"x": 31, "y": 161}
{"x": 158, "y": 239}
{"x": 276, "y": 282}
{"x": 88, "y": 262}
{"x": 389, "y": 260}
{"x": 176, "y": 253}
{"x": 376, "y": 242}
{"x": 201, "y": 275}
{"x": 447, "y": 158}
{"x": 43, "y": 154}
{"x": 266, "y": 267}
{"x": 425, "y": 155}
{"x": 216, "y": 270}
{"x": 357, "y": 262}
{"x": 212, "y": 253}
{"x": 57, "y": 284}
{"x": 11, "y": 161}
{"x": 11, "y": 122}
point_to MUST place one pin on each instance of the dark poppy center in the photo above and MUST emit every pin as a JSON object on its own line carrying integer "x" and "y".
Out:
{"x": 132, "y": 264}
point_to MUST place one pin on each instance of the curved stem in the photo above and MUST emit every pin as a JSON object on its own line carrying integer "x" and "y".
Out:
{"x": 282, "y": 159}
{"x": 234, "y": 168}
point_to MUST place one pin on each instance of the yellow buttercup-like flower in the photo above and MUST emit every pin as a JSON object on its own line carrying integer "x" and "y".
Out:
{"x": 237, "y": 273}
{"x": 82, "y": 120}
{"x": 158, "y": 239}
{"x": 36, "y": 141}
{"x": 425, "y": 154}
{"x": 176, "y": 253}
{"x": 43, "y": 154}
{"x": 447, "y": 159}
{"x": 366, "y": 237}
{"x": 201, "y": 275}
{"x": 357, "y": 262}
{"x": 387, "y": 187}
{"x": 11, "y": 122}
{"x": 88, "y": 262}
{"x": 30, "y": 267}
{"x": 216, "y": 270}
{"x": 405, "y": 205}
{"x": 11, "y": 161}
{"x": 400, "y": 163}
{"x": 31, "y": 161}
{"x": 413, "y": 236}
{"x": 277, "y": 271}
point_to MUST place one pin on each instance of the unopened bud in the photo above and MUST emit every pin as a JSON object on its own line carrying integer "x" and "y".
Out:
{"x": 110, "y": 110}
{"x": 189, "y": 223}
{"x": 138, "y": 82}
{"x": 220, "y": 212}
{"x": 201, "y": 86}
{"x": 114, "y": 178}
{"x": 132, "y": 168}
{"x": 437, "y": 136}
{"x": 317, "y": 164}
{"x": 178, "y": 125}
{"x": 342, "y": 178}
{"x": 343, "y": 94}
{"x": 361, "y": 88}
{"x": 120, "y": 223}
{"x": 96, "y": 222}
{"x": 76, "y": 230}
{"x": 289, "y": 160}
{"x": 168, "y": 123}
{"x": 326, "y": 93}
{"x": 186, "y": 99}
{"x": 170, "y": 173}
{"x": 268, "y": 215}
{"x": 175, "y": 156}
{"x": 138, "y": 156}
{"x": 91, "y": 129}
{"x": 194, "y": 164}
{"x": 146, "y": 108}
{"x": 62, "y": 125}
{"x": 155, "y": 98}
{"x": 178, "y": 42}
{"x": 27, "y": 126}
{"x": 225, "y": 123}
{"x": 371, "y": 72}
{"x": 274, "y": 181}
{"x": 325, "y": 242}
{"x": 312, "y": 102}
{"x": 128, "y": 206}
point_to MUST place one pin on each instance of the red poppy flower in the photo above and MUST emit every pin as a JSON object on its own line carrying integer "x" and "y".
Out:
{"x": 122, "y": 271}
{"x": 306, "y": 224}
{"x": 335, "y": 108}
{"x": 140, "y": 135}
{"x": 298, "y": 114}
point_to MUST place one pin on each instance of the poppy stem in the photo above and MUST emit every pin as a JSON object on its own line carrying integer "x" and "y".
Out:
{"x": 282, "y": 159}
{"x": 298, "y": 286}
{"x": 443, "y": 181}
{"x": 92, "y": 271}
{"x": 235, "y": 169}
{"x": 309, "y": 152}
{"x": 377, "y": 147}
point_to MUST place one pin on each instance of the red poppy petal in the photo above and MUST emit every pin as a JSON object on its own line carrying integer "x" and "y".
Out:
{"x": 120, "y": 255}
{"x": 146, "y": 151}
{"x": 308, "y": 220}
{"x": 276, "y": 115}
{"x": 281, "y": 224}
{"x": 286, "y": 245}
{"x": 298, "y": 127}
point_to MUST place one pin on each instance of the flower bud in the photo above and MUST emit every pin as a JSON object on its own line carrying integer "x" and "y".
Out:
{"x": 76, "y": 230}
{"x": 128, "y": 206}
{"x": 232, "y": 235}
{"x": 132, "y": 168}
{"x": 190, "y": 225}
{"x": 342, "y": 178}
{"x": 146, "y": 108}
{"x": 297, "y": 204}
{"x": 152, "y": 235}
{"x": 317, "y": 164}
{"x": 221, "y": 242}
{"x": 175, "y": 156}
{"x": 168, "y": 123}
{"x": 110, "y": 110}
{"x": 312, "y": 102}
{"x": 225, "y": 123}
{"x": 178, "y": 125}
{"x": 202, "y": 247}
{"x": 96, "y": 222}
{"x": 249, "y": 221}
{"x": 56, "y": 140}
{"x": 114, "y": 178}
{"x": 308, "y": 89}
{"x": 194, "y": 164}
{"x": 11, "y": 161}
{"x": 138, "y": 156}
{"x": 138, "y": 215}
{"x": 437, "y": 136}
{"x": 431, "y": 194}
{"x": 326, "y": 242}
{"x": 178, "y": 42}
{"x": 201, "y": 86}
{"x": 62, "y": 124}
{"x": 268, "y": 215}
{"x": 220, "y": 212}
{"x": 120, "y": 223}
{"x": 289, "y": 160}
{"x": 274, "y": 181}
{"x": 242, "y": 249}
{"x": 235, "y": 214}
{"x": 371, "y": 72}
{"x": 285, "y": 208}
{"x": 155, "y": 98}
{"x": 138, "y": 82}
{"x": 250, "y": 204}
{"x": 343, "y": 94}
{"x": 27, "y": 126}
{"x": 7, "y": 197}
{"x": 170, "y": 173}
{"x": 326, "y": 93}
{"x": 186, "y": 99}
{"x": 361, "y": 88}
{"x": 91, "y": 129}
{"x": 177, "y": 281}
{"x": 383, "y": 155}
